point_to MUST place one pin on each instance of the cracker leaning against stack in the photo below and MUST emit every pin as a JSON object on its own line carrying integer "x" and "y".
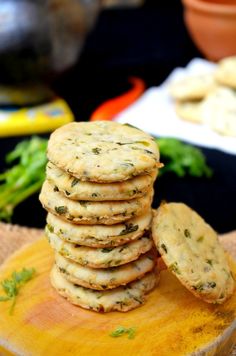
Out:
{"x": 98, "y": 195}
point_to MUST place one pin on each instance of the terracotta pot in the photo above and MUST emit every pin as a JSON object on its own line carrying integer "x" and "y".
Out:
{"x": 212, "y": 26}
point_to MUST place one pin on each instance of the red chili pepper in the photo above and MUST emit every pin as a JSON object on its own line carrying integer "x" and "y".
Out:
{"x": 110, "y": 108}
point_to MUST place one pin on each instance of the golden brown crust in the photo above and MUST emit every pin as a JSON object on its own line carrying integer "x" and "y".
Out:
{"x": 121, "y": 299}
{"x": 100, "y": 235}
{"x": 75, "y": 189}
{"x": 102, "y": 151}
{"x": 101, "y": 257}
{"x": 191, "y": 250}
{"x": 81, "y": 212}
{"x": 109, "y": 278}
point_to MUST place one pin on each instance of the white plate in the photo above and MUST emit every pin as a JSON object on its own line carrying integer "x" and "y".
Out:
{"x": 154, "y": 113}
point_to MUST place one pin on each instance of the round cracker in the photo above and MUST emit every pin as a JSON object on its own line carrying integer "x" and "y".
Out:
{"x": 219, "y": 111}
{"x": 108, "y": 278}
{"x": 191, "y": 250}
{"x": 194, "y": 87}
{"x": 101, "y": 257}
{"x": 226, "y": 72}
{"x": 102, "y": 151}
{"x": 86, "y": 212}
{"x": 189, "y": 110}
{"x": 121, "y": 299}
{"x": 100, "y": 235}
{"x": 75, "y": 189}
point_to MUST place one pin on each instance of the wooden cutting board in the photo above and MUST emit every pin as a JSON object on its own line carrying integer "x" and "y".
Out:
{"x": 172, "y": 322}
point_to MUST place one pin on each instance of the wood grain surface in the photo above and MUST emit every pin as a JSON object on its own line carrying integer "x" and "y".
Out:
{"x": 172, "y": 322}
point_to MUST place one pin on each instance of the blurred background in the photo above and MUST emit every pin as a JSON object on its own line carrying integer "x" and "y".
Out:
{"x": 61, "y": 59}
{"x": 86, "y": 50}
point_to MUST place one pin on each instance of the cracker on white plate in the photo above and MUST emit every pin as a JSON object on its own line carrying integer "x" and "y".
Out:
{"x": 193, "y": 87}
{"x": 218, "y": 111}
{"x": 226, "y": 72}
{"x": 189, "y": 110}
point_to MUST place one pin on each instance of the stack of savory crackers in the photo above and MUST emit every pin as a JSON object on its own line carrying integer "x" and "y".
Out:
{"x": 98, "y": 195}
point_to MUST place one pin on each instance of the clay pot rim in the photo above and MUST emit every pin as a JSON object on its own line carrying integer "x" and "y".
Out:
{"x": 211, "y": 8}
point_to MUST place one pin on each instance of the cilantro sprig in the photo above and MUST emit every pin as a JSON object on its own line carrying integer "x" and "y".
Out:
{"x": 28, "y": 160}
{"x": 25, "y": 177}
{"x": 182, "y": 159}
{"x": 121, "y": 330}
{"x": 12, "y": 285}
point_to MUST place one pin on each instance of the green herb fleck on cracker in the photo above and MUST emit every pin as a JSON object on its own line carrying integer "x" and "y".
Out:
{"x": 200, "y": 238}
{"x": 96, "y": 150}
{"x": 174, "y": 267}
{"x": 164, "y": 248}
{"x": 50, "y": 228}
{"x": 187, "y": 233}
{"x": 74, "y": 182}
{"x": 128, "y": 229}
{"x": 61, "y": 209}
{"x": 107, "y": 250}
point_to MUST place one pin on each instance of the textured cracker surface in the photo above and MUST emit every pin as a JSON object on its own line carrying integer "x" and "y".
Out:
{"x": 191, "y": 250}
{"x": 120, "y": 299}
{"x": 100, "y": 257}
{"x": 80, "y": 212}
{"x": 75, "y": 189}
{"x": 102, "y": 151}
{"x": 102, "y": 279}
{"x": 100, "y": 235}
